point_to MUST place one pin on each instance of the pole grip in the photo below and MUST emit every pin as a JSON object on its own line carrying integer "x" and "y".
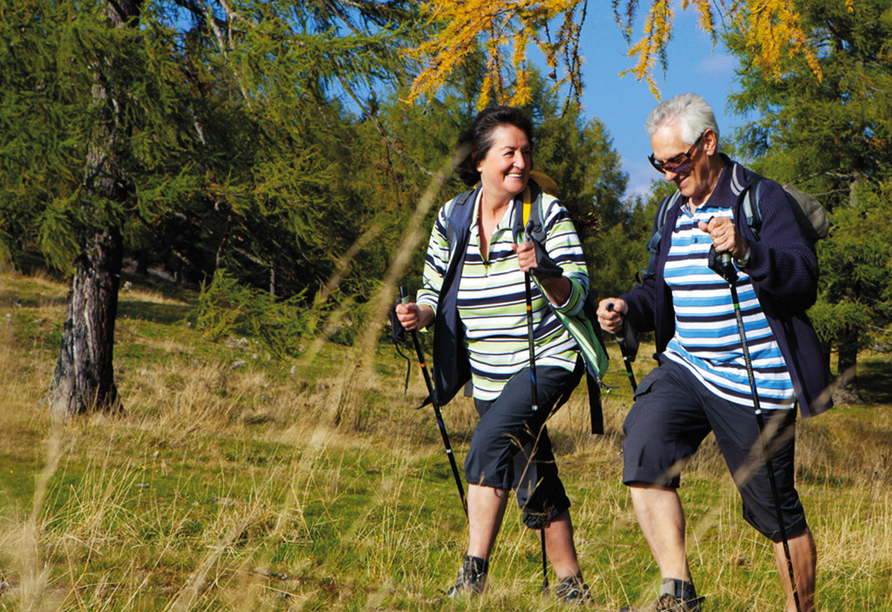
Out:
{"x": 728, "y": 272}
{"x": 619, "y": 335}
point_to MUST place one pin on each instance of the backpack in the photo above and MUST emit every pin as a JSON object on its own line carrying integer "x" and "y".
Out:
{"x": 582, "y": 326}
{"x": 811, "y": 216}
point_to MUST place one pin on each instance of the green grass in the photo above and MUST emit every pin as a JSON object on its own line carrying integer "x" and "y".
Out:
{"x": 226, "y": 488}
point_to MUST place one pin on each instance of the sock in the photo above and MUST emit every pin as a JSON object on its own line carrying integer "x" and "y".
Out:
{"x": 476, "y": 564}
{"x": 682, "y": 589}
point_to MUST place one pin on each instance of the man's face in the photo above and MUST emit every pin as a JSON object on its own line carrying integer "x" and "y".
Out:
{"x": 685, "y": 165}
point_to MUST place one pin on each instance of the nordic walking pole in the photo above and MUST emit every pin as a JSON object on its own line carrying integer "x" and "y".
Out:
{"x": 404, "y": 299}
{"x": 534, "y": 394}
{"x": 730, "y": 274}
{"x": 621, "y": 341}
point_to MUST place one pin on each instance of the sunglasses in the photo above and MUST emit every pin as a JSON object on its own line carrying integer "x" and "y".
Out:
{"x": 679, "y": 164}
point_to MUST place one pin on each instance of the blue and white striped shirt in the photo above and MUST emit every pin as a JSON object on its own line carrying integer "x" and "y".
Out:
{"x": 706, "y": 339}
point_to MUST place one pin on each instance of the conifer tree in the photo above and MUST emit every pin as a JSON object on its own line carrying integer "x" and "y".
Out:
{"x": 829, "y": 136}
{"x": 505, "y": 29}
{"x": 131, "y": 121}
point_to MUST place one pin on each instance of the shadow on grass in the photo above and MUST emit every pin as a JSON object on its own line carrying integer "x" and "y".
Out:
{"x": 16, "y": 299}
{"x": 875, "y": 381}
{"x": 166, "y": 314}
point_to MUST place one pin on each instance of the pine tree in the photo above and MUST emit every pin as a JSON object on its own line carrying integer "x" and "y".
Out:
{"x": 505, "y": 29}
{"x": 829, "y": 136}
{"x": 209, "y": 123}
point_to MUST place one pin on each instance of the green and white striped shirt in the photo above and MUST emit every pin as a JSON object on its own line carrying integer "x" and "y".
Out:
{"x": 492, "y": 301}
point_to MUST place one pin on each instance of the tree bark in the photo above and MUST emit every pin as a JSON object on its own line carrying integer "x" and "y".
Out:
{"x": 142, "y": 262}
{"x": 6, "y": 264}
{"x": 84, "y": 378}
{"x": 847, "y": 372}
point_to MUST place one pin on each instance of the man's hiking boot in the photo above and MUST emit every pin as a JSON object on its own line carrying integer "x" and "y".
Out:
{"x": 669, "y": 603}
{"x": 573, "y": 590}
{"x": 471, "y": 579}
{"x": 675, "y": 596}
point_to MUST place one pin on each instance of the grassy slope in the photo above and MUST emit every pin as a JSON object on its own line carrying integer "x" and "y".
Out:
{"x": 230, "y": 489}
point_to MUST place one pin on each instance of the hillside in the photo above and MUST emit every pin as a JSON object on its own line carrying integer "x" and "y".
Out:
{"x": 227, "y": 485}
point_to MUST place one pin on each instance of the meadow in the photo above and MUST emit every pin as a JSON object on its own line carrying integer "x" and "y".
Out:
{"x": 235, "y": 481}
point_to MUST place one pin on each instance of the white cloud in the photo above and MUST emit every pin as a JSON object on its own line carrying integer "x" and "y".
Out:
{"x": 640, "y": 176}
{"x": 717, "y": 65}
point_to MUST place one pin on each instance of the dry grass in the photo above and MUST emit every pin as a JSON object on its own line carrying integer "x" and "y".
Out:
{"x": 228, "y": 488}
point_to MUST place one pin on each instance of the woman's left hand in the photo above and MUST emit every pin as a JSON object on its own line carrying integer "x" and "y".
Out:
{"x": 526, "y": 256}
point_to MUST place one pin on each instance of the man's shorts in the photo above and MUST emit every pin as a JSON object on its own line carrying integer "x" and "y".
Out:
{"x": 672, "y": 415}
{"x": 511, "y": 449}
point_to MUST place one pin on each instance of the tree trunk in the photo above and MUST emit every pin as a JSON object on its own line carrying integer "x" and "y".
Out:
{"x": 142, "y": 262}
{"x": 84, "y": 379}
{"x": 847, "y": 372}
{"x": 827, "y": 351}
{"x": 6, "y": 264}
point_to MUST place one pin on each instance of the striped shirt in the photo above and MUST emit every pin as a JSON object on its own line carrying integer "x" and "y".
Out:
{"x": 706, "y": 339}
{"x": 492, "y": 300}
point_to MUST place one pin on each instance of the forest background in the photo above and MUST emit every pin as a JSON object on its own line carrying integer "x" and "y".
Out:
{"x": 281, "y": 163}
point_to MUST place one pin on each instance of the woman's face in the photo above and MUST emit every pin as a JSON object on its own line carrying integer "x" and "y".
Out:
{"x": 505, "y": 169}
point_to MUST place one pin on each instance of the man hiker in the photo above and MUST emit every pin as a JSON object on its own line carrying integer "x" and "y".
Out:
{"x": 714, "y": 376}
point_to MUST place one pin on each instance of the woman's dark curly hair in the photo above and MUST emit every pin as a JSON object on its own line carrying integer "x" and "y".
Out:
{"x": 475, "y": 142}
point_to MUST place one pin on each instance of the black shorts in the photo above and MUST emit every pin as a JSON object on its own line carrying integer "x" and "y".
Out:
{"x": 674, "y": 412}
{"x": 511, "y": 449}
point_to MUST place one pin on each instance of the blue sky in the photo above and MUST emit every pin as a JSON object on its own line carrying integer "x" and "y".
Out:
{"x": 624, "y": 103}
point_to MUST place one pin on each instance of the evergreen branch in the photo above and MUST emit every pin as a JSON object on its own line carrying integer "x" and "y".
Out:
{"x": 204, "y": 13}
{"x": 831, "y": 192}
{"x": 344, "y": 261}
{"x": 253, "y": 258}
{"x": 382, "y": 132}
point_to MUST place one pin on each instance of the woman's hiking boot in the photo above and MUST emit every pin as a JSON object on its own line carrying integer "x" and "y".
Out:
{"x": 471, "y": 578}
{"x": 573, "y": 590}
{"x": 675, "y": 596}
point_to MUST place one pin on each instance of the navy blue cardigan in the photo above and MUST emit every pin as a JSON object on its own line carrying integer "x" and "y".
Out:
{"x": 783, "y": 268}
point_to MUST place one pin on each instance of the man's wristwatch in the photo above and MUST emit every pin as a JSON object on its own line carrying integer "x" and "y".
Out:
{"x": 743, "y": 261}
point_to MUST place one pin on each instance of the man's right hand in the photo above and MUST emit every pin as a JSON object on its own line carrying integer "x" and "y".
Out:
{"x": 611, "y": 320}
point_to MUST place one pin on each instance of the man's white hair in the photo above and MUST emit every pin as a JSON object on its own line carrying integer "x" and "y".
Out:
{"x": 690, "y": 111}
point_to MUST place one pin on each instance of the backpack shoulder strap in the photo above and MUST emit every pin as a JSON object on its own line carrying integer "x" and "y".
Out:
{"x": 750, "y": 206}
{"x": 458, "y": 216}
{"x": 663, "y": 210}
{"x": 653, "y": 245}
{"x": 530, "y": 214}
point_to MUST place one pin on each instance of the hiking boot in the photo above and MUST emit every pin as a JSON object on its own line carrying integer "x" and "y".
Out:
{"x": 471, "y": 579}
{"x": 670, "y": 601}
{"x": 573, "y": 590}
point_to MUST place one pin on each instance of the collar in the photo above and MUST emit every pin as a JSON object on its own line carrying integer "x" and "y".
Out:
{"x": 737, "y": 176}
{"x": 505, "y": 221}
